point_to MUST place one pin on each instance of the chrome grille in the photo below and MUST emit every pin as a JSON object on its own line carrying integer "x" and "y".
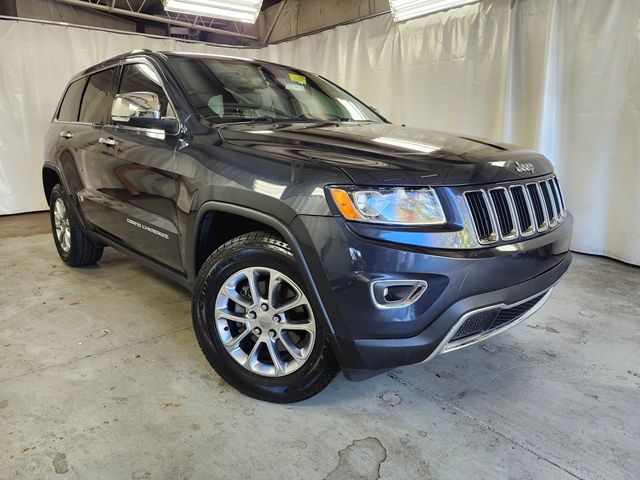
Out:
{"x": 481, "y": 216}
{"x": 551, "y": 212}
{"x": 504, "y": 213}
{"x": 524, "y": 210}
{"x": 514, "y": 211}
{"x": 533, "y": 191}
{"x": 557, "y": 184}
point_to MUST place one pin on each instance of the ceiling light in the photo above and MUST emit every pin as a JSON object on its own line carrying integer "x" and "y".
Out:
{"x": 237, "y": 10}
{"x": 406, "y": 9}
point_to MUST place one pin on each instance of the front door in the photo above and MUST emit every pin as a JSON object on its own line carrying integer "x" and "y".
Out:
{"x": 141, "y": 180}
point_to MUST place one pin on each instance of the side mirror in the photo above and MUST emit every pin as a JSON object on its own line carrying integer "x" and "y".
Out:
{"x": 142, "y": 110}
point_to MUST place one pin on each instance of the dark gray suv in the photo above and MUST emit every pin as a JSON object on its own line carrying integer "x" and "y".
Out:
{"x": 314, "y": 234}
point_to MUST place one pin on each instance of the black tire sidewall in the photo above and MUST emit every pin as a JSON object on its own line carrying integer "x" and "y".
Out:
{"x": 82, "y": 251}
{"x": 220, "y": 266}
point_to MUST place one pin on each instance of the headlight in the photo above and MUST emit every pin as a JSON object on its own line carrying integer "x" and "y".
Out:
{"x": 397, "y": 206}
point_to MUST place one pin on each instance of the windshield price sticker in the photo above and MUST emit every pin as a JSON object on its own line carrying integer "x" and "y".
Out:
{"x": 301, "y": 79}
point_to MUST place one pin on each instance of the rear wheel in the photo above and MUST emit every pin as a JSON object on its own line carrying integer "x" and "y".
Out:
{"x": 74, "y": 247}
{"x": 255, "y": 323}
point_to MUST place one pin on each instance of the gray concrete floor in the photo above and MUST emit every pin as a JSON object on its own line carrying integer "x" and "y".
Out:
{"x": 101, "y": 377}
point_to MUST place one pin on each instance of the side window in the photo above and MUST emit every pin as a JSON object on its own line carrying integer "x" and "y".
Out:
{"x": 96, "y": 101}
{"x": 71, "y": 102}
{"x": 139, "y": 77}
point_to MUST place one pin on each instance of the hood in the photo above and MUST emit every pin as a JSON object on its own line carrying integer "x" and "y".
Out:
{"x": 386, "y": 154}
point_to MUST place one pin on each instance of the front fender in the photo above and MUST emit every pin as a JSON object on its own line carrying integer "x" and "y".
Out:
{"x": 297, "y": 236}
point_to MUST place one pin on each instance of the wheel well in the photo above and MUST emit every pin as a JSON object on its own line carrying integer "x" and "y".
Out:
{"x": 49, "y": 180}
{"x": 217, "y": 228}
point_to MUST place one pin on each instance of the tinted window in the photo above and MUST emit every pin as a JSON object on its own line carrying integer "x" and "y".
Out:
{"x": 140, "y": 77}
{"x": 229, "y": 90}
{"x": 71, "y": 102}
{"x": 96, "y": 101}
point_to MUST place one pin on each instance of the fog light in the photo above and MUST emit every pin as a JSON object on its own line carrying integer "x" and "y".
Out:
{"x": 396, "y": 293}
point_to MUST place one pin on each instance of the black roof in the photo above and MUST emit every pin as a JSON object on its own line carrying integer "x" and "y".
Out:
{"x": 160, "y": 55}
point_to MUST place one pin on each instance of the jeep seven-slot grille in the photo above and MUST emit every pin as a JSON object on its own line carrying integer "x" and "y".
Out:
{"x": 523, "y": 210}
{"x": 538, "y": 209}
{"x": 481, "y": 216}
{"x": 503, "y": 212}
{"x": 516, "y": 210}
{"x": 546, "y": 194}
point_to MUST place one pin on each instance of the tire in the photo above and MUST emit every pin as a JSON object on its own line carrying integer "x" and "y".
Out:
{"x": 249, "y": 368}
{"x": 74, "y": 247}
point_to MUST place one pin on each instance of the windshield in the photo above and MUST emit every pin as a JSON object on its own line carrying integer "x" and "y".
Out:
{"x": 231, "y": 90}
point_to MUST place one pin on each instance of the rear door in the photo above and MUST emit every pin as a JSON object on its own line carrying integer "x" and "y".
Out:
{"x": 84, "y": 139}
{"x": 140, "y": 177}
{"x": 63, "y": 129}
{"x": 81, "y": 120}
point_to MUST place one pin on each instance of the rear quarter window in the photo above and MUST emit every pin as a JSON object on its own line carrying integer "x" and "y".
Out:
{"x": 70, "y": 106}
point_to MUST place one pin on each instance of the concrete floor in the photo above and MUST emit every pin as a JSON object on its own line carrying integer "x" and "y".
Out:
{"x": 101, "y": 377}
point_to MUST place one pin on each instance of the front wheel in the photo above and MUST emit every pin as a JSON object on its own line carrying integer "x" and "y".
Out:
{"x": 255, "y": 324}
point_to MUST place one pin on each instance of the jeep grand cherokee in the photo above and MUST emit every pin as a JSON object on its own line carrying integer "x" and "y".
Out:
{"x": 314, "y": 234}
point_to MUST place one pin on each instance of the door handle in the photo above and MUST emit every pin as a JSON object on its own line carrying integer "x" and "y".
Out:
{"x": 66, "y": 134}
{"x": 110, "y": 142}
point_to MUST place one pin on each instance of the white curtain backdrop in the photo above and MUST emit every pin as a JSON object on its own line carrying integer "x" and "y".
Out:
{"x": 559, "y": 76}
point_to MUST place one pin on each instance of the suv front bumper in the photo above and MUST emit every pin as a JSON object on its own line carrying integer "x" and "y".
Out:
{"x": 461, "y": 284}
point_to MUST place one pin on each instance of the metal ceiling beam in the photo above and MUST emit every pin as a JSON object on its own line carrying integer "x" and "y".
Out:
{"x": 273, "y": 23}
{"x": 154, "y": 18}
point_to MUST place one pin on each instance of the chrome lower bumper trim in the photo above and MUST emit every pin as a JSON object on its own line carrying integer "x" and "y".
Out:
{"x": 447, "y": 346}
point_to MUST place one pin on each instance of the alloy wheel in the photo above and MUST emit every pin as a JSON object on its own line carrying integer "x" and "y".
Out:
{"x": 61, "y": 220}
{"x": 265, "y": 321}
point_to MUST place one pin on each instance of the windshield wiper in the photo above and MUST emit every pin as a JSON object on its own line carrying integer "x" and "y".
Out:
{"x": 262, "y": 120}
{"x": 253, "y": 121}
{"x": 349, "y": 119}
